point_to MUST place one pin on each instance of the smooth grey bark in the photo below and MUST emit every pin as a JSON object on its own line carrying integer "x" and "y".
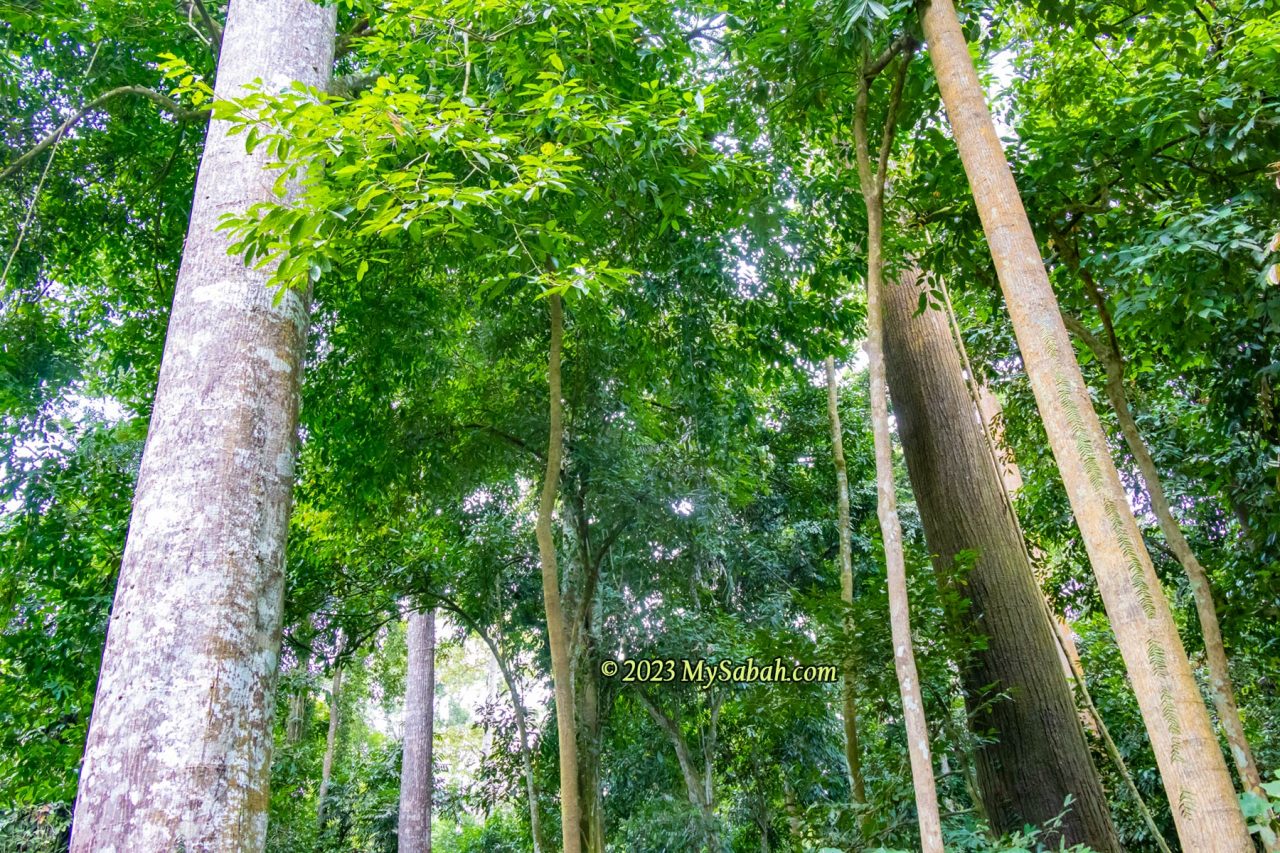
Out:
{"x": 179, "y": 744}
{"x": 417, "y": 771}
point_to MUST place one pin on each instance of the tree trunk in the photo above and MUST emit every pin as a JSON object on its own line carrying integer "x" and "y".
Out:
{"x": 557, "y": 633}
{"x": 522, "y": 732}
{"x": 1039, "y": 756}
{"x": 794, "y": 822}
{"x": 1191, "y": 765}
{"x": 852, "y": 750}
{"x": 179, "y": 746}
{"x": 1221, "y": 689}
{"x": 296, "y": 724}
{"x": 587, "y": 696}
{"x": 872, "y": 180}
{"x": 417, "y": 771}
{"x": 330, "y": 743}
{"x": 700, "y": 797}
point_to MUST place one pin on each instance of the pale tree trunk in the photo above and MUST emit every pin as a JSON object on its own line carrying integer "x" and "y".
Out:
{"x": 522, "y": 733}
{"x": 1191, "y": 765}
{"x": 557, "y": 634}
{"x": 179, "y": 746}
{"x": 794, "y": 822}
{"x": 1221, "y": 689}
{"x": 872, "y": 180}
{"x": 852, "y": 750}
{"x": 330, "y": 743}
{"x": 295, "y": 725}
{"x": 1039, "y": 756}
{"x": 697, "y": 788}
{"x": 417, "y": 776}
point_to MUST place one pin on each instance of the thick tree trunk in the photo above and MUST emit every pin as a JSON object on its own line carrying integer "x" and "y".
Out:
{"x": 1191, "y": 765}
{"x": 590, "y": 737}
{"x": 417, "y": 771}
{"x": 179, "y": 745}
{"x": 1039, "y": 756}
{"x": 330, "y": 743}
{"x": 557, "y": 633}
{"x": 872, "y": 180}
{"x": 852, "y": 750}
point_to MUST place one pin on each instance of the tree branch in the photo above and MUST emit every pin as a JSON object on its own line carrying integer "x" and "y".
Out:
{"x": 165, "y": 103}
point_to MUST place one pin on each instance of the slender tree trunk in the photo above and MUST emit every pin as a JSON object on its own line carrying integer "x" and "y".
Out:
{"x": 522, "y": 732}
{"x": 587, "y": 695}
{"x": 699, "y": 796}
{"x": 872, "y": 180}
{"x": 296, "y": 724}
{"x": 417, "y": 771}
{"x": 1221, "y": 689}
{"x": 179, "y": 746}
{"x": 557, "y": 633}
{"x": 1039, "y": 756}
{"x": 794, "y": 822}
{"x": 852, "y": 750}
{"x": 1191, "y": 765}
{"x": 330, "y": 743}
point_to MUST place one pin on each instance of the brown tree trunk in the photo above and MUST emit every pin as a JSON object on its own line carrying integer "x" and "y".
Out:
{"x": 990, "y": 411}
{"x": 1191, "y": 765}
{"x": 852, "y": 750}
{"x": 557, "y": 633}
{"x": 417, "y": 770}
{"x": 1039, "y": 756}
{"x": 179, "y": 746}
{"x": 872, "y": 180}
{"x": 1221, "y": 689}
{"x": 330, "y": 743}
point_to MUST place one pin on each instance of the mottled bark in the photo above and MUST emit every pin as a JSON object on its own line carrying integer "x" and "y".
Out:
{"x": 179, "y": 745}
{"x": 557, "y": 633}
{"x": 1039, "y": 755}
{"x": 1191, "y": 765}
{"x": 795, "y": 824}
{"x": 852, "y": 750}
{"x": 417, "y": 769}
{"x": 1221, "y": 689}
{"x": 586, "y": 686}
{"x": 330, "y": 743}
{"x": 872, "y": 180}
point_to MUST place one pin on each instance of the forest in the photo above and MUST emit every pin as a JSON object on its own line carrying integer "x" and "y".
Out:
{"x": 619, "y": 425}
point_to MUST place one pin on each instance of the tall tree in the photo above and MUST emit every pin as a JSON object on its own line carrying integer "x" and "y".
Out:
{"x": 871, "y": 178}
{"x": 1038, "y": 756}
{"x": 1191, "y": 765}
{"x": 557, "y": 632}
{"x": 330, "y": 742}
{"x": 1106, "y": 349}
{"x": 180, "y": 739}
{"x": 417, "y": 771}
{"x": 849, "y": 693}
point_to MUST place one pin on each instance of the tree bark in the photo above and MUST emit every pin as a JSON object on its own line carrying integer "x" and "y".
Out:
{"x": 1039, "y": 756}
{"x": 557, "y": 633}
{"x": 852, "y": 750}
{"x": 179, "y": 746}
{"x": 1191, "y": 765}
{"x": 417, "y": 770}
{"x": 330, "y": 743}
{"x": 872, "y": 180}
{"x": 697, "y": 788}
{"x": 1221, "y": 688}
